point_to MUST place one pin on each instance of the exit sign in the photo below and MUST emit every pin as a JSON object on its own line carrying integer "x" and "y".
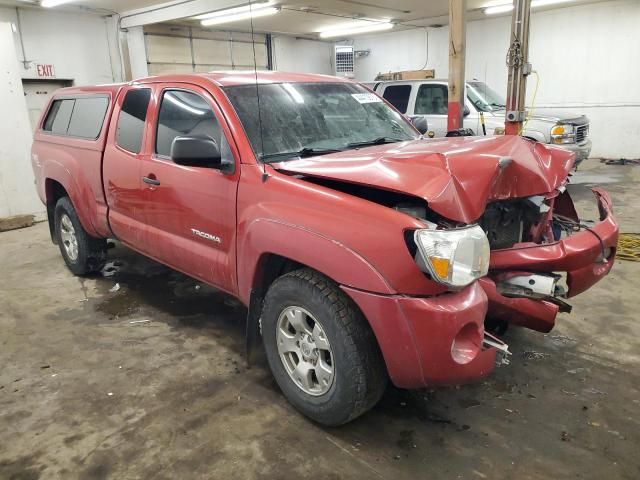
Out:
{"x": 45, "y": 70}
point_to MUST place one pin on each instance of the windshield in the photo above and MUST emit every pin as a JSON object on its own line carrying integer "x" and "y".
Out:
{"x": 484, "y": 99}
{"x": 303, "y": 119}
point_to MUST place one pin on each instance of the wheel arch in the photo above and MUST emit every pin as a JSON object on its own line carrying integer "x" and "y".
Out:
{"x": 59, "y": 183}
{"x": 267, "y": 245}
{"x": 54, "y": 191}
{"x": 271, "y": 249}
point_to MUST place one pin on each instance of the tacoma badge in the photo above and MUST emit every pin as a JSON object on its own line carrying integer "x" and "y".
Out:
{"x": 206, "y": 235}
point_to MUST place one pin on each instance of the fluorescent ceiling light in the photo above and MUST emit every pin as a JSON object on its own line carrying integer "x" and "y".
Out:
{"x": 53, "y": 3}
{"x": 498, "y": 9}
{"x": 236, "y": 17}
{"x": 348, "y": 31}
{"x": 543, "y": 3}
{"x": 502, "y": 7}
{"x": 253, "y": 6}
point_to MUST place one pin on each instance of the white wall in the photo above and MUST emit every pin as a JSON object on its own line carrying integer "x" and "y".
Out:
{"x": 580, "y": 52}
{"x": 76, "y": 44}
{"x": 17, "y": 192}
{"x": 81, "y": 47}
{"x": 292, "y": 54}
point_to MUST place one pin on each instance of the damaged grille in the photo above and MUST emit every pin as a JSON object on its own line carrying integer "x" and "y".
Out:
{"x": 508, "y": 222}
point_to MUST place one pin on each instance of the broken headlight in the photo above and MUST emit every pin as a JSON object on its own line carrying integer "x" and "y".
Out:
{"x": 454, "y": 257}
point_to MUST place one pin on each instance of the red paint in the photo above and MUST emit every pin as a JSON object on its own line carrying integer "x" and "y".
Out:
{"x": 457, "y": 176}
{"x": 454, "y": 116}
{"x": 417, "y": 344}
{"x": 534, "y": 314}
{"x": 512, "y": 128}
{"x": 421, "y": 328}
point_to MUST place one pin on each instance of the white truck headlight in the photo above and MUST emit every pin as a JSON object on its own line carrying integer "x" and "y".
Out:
{"x": 563, "y": 133}
{"x": 455, "y": 257}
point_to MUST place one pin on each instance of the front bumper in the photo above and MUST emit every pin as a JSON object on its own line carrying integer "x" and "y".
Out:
{"x": 430, "y": 341}
{"x": 582, "y": 150}
{"x": 586, "y": 257}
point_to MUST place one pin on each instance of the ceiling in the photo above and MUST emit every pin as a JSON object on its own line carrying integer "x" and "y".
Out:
{"x": 306, "y": 17}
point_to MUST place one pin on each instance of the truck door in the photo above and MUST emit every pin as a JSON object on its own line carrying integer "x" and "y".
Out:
{"x": 431, "y": 101}
{"x": 121, "y": 166}
{"x": 190, "y": 212}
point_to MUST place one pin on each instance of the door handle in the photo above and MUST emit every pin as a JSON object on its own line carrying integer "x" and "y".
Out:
{"x": 151, "y": 181}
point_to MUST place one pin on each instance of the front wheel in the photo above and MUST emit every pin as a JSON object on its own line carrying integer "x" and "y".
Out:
{"x": 82, "y": 253}
{"x": 320, "y": 349}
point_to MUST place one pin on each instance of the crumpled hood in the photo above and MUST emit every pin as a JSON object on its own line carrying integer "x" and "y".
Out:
{"x": 456, "y": 176}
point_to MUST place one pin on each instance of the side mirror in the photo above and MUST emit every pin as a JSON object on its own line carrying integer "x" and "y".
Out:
{"x": 196, "y": 151}
{"x": 466, "y": 111}
{"x": 420, "y": 122}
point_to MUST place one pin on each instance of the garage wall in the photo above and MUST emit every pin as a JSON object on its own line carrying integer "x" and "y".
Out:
{"x": 80, "y": 48}
{"x": 178, "y": 49}
{"x": 53, "y": 38}
{"x": 579, "y": 53}
{"x": 291, "y": 54}
{"x": 17, "y": 192}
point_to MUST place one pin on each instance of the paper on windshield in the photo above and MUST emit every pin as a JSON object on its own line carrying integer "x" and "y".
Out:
{"x": 366, "y": 97}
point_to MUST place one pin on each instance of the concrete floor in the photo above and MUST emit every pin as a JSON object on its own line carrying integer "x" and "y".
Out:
{"x": 150, "y": 382}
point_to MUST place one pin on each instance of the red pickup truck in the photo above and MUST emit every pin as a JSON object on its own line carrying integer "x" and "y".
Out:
{"x": 363, "y": 251}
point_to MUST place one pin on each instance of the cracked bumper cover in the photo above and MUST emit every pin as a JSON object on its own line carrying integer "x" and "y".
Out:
{"x": 430, "y": 341}
{"x": 579, "y": 255}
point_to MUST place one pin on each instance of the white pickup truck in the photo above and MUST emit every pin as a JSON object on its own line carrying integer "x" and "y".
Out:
{"x": 428, "y": 99}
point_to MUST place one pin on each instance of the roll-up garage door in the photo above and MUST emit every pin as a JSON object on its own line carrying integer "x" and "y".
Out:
{"x": 177, "y": 49}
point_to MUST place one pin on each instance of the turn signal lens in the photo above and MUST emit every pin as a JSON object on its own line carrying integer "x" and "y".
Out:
{"x": 454, "y": 257}
{"x": 440, "y": 266}
{"x": 557, "y": 130}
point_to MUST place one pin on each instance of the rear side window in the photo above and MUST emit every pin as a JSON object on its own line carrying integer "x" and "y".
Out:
{"x": 87, "y": 117}
{"x": 184, "y": 113}
{"x": 398, "y": 96}
{"x": 57, "y": 120}
{"x": 77, "y": 117}
{"x": 131, "y": 119}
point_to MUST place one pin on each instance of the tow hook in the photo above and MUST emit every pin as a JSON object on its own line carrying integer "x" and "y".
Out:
{"x": 502, "y": 349}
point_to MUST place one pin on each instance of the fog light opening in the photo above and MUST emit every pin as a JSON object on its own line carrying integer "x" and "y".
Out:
{"x": 466, "y": 345}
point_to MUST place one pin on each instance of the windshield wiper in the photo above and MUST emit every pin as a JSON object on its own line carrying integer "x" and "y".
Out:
{"x": 499, "y": 105}
{"x": 375, "y": 141}
{"x": 302, "y": 153}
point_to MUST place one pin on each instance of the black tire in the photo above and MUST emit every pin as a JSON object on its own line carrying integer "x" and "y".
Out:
{"x": 360, "y": 375}
{"x": 91, "y": 252}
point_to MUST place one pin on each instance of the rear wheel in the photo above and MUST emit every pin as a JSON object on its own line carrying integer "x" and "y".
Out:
{"x": 320, "y": 348}
{"x": 82, "y": 253}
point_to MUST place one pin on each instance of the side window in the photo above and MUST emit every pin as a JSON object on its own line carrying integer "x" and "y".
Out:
{"x": 131, "y": 119}
{"x": 57, "y": 120}
{"x": 187, "y": 113}
{"x": 87, "y": 117}
{"x": 398, "y": 96}
{"x": 432, "y": 99}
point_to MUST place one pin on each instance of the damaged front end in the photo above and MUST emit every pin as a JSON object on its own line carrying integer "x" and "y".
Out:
{"x": 541, "y": 252}
{"x": 536, "y": 244}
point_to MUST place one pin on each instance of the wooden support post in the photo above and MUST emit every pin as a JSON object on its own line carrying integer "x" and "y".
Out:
{"x": 457, "y": 47}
